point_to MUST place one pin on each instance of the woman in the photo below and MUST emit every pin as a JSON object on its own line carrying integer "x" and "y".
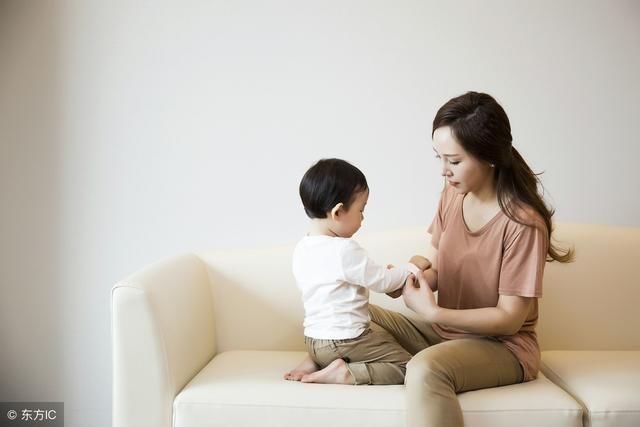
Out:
{"x": 490, "y": 241}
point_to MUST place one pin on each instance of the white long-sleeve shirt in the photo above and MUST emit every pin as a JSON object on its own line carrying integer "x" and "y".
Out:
{"x": 334, "y": 275}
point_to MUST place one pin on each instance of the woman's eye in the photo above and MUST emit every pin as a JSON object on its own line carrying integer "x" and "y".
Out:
{"x": 455, "y": 163}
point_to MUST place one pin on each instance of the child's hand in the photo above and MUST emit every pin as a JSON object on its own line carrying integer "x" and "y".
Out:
{"x": 421, "y": 262}
{"x": 397, "y": 293}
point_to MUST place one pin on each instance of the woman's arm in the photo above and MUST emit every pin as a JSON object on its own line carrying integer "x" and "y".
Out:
{"x": 432, "y": 255}
{"x": 426, "y": 263}
{"x": 506, "y": 318}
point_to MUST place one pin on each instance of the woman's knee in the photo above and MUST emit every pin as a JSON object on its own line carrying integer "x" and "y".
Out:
{"x": 425, "y": 368}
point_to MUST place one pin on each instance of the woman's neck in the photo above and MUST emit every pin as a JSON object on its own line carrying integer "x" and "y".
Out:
{"x": 485, "y": 195}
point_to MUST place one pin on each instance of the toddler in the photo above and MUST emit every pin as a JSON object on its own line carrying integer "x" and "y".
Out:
{"x": 335, "y": 275}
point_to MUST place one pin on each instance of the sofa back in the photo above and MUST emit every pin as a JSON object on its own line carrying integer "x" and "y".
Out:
{"x": 588, "y": 304}
{"x": 591, "y": 304}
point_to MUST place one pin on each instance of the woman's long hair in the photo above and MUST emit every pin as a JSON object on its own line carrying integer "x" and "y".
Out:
{"x": 482, "y": 127}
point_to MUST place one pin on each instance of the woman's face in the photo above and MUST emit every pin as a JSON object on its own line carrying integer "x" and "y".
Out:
{"x": 463, "y": 171}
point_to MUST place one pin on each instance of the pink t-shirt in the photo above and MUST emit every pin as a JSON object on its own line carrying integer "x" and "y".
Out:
{"x": 475, "y": 268}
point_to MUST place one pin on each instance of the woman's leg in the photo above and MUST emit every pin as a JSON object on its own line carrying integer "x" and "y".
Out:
{"x": 437, "y": 373}
{"x": 413, "y": 335}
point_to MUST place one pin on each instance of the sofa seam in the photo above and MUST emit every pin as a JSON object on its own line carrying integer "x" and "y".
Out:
{"x": 586, "y": 414}
{"x": 367, "y": 409}
{"x": 573, "y": 394}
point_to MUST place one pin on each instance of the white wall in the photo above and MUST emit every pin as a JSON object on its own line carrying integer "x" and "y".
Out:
{"x": 131, "y": 131}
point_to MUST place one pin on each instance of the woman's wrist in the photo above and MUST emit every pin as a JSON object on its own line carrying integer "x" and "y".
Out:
{"x": 437, "y": 315}
{"x": 431, "y": 314}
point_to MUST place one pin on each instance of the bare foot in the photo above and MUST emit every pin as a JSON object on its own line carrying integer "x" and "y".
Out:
{"x": 305, "y": 367}
{"x": 335, "y": 373}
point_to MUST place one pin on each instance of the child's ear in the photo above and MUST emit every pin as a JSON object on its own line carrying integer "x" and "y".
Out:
{"x": 336, "y": 210}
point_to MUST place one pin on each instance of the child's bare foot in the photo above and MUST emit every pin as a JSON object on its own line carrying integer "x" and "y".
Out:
{"x": 305, "y": 367}
{"x": 335, "y": 373}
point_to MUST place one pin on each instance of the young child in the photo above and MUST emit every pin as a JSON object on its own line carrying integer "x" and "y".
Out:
{"x": 335, "y": 275}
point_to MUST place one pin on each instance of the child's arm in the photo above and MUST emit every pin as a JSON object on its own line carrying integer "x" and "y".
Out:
{"x": 361, "y": 270}
{"x": 430, "y": 275}
{"x": 423, "y": 264}
{"x": 398, "y": 292}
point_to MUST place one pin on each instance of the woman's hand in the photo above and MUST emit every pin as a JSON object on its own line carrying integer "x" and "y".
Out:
{"x": 419, "y": 297}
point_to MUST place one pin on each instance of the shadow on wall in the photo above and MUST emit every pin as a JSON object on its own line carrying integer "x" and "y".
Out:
{"x": 32, "y": 304}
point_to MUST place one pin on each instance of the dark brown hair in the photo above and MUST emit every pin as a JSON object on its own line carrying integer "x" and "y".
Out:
{"x": 482, "y": 128}
{"x": 329, "y": 182}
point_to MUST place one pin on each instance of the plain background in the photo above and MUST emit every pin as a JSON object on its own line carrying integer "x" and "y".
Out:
{"x": 135, "y": 130}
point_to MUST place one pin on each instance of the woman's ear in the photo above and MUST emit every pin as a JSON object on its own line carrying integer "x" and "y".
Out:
{"x": 336, "y": 210}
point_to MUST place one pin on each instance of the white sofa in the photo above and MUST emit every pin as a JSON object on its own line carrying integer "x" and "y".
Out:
{"x": 204, "y": 339}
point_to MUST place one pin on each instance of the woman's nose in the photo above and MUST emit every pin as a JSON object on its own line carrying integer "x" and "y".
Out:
{"x": 445, "y": 171}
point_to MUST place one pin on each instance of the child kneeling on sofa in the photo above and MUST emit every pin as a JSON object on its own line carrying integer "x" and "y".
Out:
{"x": 335, "y": 275}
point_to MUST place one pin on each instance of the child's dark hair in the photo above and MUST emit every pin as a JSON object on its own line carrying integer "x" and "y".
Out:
{"x": 329, "y": 182}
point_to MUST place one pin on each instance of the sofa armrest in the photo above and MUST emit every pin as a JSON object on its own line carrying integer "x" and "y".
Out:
{"x": 162, "y": 335}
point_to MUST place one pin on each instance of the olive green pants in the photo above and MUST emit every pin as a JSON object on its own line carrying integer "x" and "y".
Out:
{"x": 441, "y": 368}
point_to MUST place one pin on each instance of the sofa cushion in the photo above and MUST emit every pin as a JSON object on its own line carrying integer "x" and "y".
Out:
{"x": 245, "y": 388}
{"x": 606, "y": 383}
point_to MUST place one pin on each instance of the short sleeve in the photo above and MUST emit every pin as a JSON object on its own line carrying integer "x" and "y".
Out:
{"x": 438, "y": 224}
{"x": 523, "y": 262}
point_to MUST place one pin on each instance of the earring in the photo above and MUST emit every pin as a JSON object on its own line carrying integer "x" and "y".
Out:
{"x": 492, "y": 165}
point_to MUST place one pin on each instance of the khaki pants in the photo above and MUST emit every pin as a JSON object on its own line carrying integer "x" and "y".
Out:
{"x": 442, "y": 368}
{"x": 374, "y": 357}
